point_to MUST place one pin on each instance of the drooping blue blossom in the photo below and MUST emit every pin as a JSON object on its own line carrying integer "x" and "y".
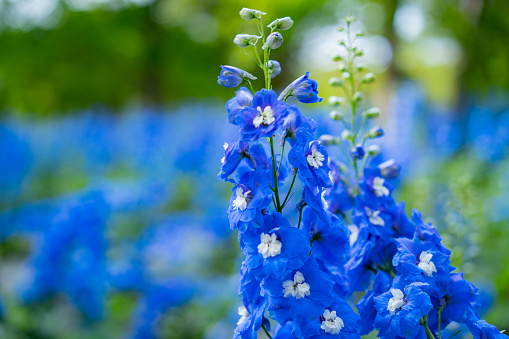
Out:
{"x": 481, "y": 329}
{"x": 231, "y": 76}
{"x": 303, "y": 89}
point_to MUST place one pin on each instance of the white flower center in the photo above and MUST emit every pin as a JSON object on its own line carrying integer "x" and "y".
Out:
{"x": 331, "y": 324}
{"x": 324, "y": 202}
{"x": 374, "y": 217}
{"x": 225, "y": 146}
{"x": 297, "y": 287}
{"x": 244, "y": 314}
{"x": 265, "y": 117}
{"x": 240, "y": 201}
{"x": 223, "y": 159}
{"x": 397, "y": 301}
{"x": 379, "y": 188}
{"x": 426, "y": 265}
{"x": 354, "y": 233}
{"x": 315, "y": 159}
{"x": 269, "y": 245}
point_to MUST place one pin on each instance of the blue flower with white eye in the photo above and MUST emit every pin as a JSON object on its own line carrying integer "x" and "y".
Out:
{"x": 238, "y": 150}
{"x": 263, "y": 118}
{"x": 250, "y": 196}
{"x": 311, "y": 158}
{"x": 423, "y": 261}
{"x": 301, "y": 294}
{"x": 329, "y": 240}
{"x": 481, "y": 329}
{"x": 400, "y": 310}
{"x": 303, "y": 89}
{"x": 232, "y": 76}
{"x": 375, "y": 186}
{"x": 366, "y": 305}
{"x": 275, "y": 248}
{"x": 460, "y": 297}
{"x": 294, "y": 122}
{"x": 243, "y": 98}
{"x": 337, "y": 321}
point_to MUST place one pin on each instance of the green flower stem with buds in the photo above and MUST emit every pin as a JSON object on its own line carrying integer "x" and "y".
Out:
{"x": 351, "y": 81}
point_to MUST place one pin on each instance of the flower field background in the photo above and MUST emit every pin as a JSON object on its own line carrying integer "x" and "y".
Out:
{"x": 112, "y": 221}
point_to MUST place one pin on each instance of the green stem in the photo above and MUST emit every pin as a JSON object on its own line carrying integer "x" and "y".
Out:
{"x": 266, "y": 332}
{"x": 282, "y": 154}
{"x": 429, "y": 334}
{"x": 291, "y": 186}
{"x": 276, "y": 188}
{"x": 300, "y": 213}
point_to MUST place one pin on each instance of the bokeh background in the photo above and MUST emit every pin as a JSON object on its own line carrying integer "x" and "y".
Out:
{"x": 112, "y": 224}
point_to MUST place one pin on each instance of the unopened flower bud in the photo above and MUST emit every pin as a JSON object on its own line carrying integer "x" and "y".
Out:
{"x": 342, "y": 66}
{"x": 282, "y": 24}
{"x": 371, "y": 113}
{"x": 245, "y": 40}
{"x": 375, "y": 132}
{"x": 250, "y": 14}
{"x": 340, "y": 29}
{"x": 361, "y": 67}
{"x": 368, "y": 78}
{"x": 373, "y": 150}
{"x": 327, "y": 139}
{"x": 335, "y": 115}
{"x": 341, "y": 42}
{"x": 336, "y": 101}
{"x": 346, "y": 135}
{"x": 274, "y": 40}
{"x": 274, "y": 68}
{"x": 335, "y": 81}
{"x": 346, "y": 75}
{"x": 350, "y": 18}
{"x": 337, "y": 58}
{"x": 357, "y": 152}
{"x": 359, "y": 53}
{"x": 361, "y": 33}
{"x": 389, "y": 169}
{"x": 357, "y": 97}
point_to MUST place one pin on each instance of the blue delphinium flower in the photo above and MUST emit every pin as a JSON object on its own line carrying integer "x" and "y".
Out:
{"x": 330, "y": 241}
{"x": 275, "y": 248}
{"x": 232, "y": 76}
{"x": 250, "y": 195}
{"x": 263, "y": 118}
{"x": 238, "y": 150}
{"x": 459, "y": 299}
{"x": 303, "y": 89}
{"x": 296, "y": 122}
{"x": 366, "y": 305}
{"x": 311, "y": 159}
{"x": 481, "y": 329}
{"x": 301, "y": 294}
{"x": 337, "y": 321}
{"x": 400, "y": 310}
{"x": 243, "y": 98}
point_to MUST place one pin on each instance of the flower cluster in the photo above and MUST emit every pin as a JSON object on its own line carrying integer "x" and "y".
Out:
{"x": 348, "y": 233}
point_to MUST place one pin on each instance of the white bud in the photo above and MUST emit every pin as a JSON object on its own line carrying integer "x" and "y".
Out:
{"x": 282, "y": 24}
{"x": 250, "y": 14}
{"x": 245, "y": 40}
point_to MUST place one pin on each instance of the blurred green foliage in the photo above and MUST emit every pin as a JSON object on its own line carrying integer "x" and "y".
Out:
{"x": 115, "y": 53}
